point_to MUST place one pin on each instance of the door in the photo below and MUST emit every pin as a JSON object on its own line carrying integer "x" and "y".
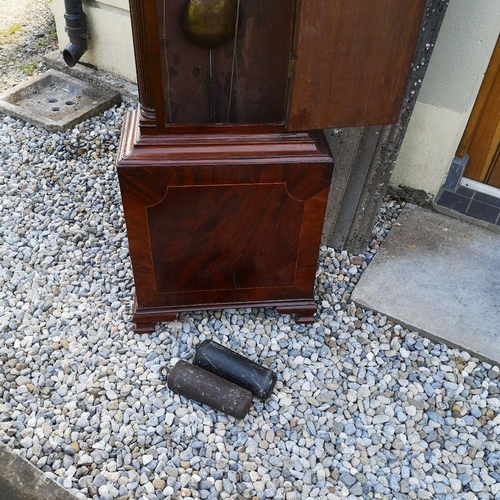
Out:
{"x": 481, "y": 139}
{"x": 350, "y": 62}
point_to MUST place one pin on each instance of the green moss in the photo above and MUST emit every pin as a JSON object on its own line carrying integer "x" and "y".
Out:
{"x": 28, "y": 68}
{"x": 51, "y": 29}
{"x": 9, "y": 34}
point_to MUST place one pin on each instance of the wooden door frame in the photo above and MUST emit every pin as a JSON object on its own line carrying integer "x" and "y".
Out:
{"x": 490, "y": 88}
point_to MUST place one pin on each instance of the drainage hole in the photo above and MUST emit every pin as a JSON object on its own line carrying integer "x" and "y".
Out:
{"x": 69, "y": 103}
{"x": 55, "y": 108}
{"x": 51, "y": 99}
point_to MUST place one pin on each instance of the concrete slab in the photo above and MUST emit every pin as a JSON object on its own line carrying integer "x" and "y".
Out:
{"x": 441, "y": 277}
{"x": 56, "y": 101}
{"x": 96, "y": 76}
{"x": 20, "y": 480}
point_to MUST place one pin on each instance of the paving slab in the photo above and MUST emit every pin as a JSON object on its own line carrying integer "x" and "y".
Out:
{"x": 439, "y": 276}
{"x": 20, "y": 480}
{"x": 56, "y": 101}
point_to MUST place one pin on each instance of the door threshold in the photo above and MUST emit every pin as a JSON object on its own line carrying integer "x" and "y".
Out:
{"x": 480, "y": 187}
{"x": 473, "y": 199}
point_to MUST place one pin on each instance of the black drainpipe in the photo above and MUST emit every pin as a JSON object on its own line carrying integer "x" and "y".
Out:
{"x": 76, "y": 27}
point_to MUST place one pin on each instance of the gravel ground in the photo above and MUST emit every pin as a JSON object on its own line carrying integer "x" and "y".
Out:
{"x": 27, "y": 32}
{"x": 362, "y": 409}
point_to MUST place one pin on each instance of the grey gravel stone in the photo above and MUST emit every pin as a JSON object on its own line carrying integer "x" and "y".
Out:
{"x": 356, "y": 489}
{"x": 476, "y": 486}
{"x": 99, "y": 481}
{"x": 347, "y": 479}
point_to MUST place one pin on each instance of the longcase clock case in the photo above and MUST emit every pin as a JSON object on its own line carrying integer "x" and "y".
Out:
{"x": 224, "y": 185}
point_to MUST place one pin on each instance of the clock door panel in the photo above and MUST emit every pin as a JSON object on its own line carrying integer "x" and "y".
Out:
{"x": 351, "y": 61}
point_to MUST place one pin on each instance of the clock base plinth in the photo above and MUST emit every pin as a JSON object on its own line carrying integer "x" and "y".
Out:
{"x": 144, "y": 319}
{"x": 222, "y": 217}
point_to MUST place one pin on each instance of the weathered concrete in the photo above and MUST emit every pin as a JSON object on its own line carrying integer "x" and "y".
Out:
{"x": 19, "y": 480}
{"x": 95, "y": 76}
{"x": 353, "y": 150}
{"x": 439, "y": 276}
{"x": 56, "y": 101}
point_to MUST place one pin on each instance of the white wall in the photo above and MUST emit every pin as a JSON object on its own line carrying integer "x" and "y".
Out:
{"x": 461, "y": 56}
{"x": 110, "y": 46}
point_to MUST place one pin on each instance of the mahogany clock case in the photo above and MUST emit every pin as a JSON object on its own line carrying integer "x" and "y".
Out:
{"x": 222, "y": 218}
{"x": 224, "y": 197}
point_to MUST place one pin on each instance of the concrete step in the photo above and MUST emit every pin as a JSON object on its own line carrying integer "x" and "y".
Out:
{"x": 439, "y": 276}
{"x": 20, "y": 480}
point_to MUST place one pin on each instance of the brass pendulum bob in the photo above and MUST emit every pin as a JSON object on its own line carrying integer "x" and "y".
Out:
{"x": 210, "y": 23}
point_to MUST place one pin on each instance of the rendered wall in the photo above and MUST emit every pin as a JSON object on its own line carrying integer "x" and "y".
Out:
{"x": 110, "y": 46}
{"x": 463, "y": 49}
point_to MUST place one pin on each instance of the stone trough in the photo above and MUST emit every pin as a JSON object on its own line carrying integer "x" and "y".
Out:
{"x": 56, "y": 101}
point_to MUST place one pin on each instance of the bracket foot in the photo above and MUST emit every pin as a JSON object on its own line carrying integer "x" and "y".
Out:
{"x": 142, "y": 328}
{"x": 304, "y": 313}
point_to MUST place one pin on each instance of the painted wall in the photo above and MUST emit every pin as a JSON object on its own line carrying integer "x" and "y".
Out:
{"x": 110, "y": 46}
{"x": 463, "y": 49}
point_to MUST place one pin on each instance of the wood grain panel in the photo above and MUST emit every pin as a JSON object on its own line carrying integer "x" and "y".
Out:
{"x": 262, "y": 55}
{"x": 260, "y": 208}
{"x": 481, "y": 102}
{"x": 351, "y": 61}
{"x": 147, "y": 56}
{"x": 481, "y": 138}
{"x": 484, "y": 143}
{"x": 217, "y": 237}
{"x": 493, "y": 177}
{"x": 185, "y": 68}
